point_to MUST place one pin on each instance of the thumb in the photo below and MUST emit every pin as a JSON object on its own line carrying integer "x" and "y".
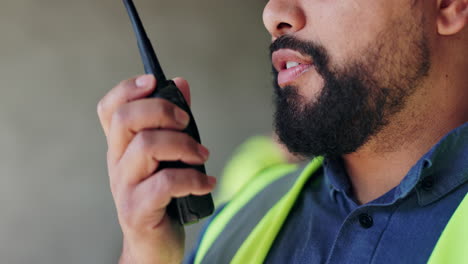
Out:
{"x": 184, "y": 87}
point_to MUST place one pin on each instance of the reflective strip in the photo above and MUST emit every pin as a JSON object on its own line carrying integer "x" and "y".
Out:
{"x": 219, "y": 223}
{"x": 452, "y": 246}
{"x": 243, "y": 222}
{"x": 258, "y": 244}
{"x": 244, "y": 232}
{"x": 252, "y": 157}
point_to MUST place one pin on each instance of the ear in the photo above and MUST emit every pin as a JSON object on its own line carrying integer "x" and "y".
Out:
{"x": 452, "y": 17}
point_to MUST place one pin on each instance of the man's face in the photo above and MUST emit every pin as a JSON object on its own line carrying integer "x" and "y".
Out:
{"x": 343, "y": 69}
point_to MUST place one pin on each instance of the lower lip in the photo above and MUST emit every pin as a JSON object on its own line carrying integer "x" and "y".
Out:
{"x": 289, "y": 75}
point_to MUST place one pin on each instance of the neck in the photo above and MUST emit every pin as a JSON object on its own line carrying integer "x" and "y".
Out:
{"x": 383, "y": 162}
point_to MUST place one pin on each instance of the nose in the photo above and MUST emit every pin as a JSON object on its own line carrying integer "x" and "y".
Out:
{"x": 283, "y": 17}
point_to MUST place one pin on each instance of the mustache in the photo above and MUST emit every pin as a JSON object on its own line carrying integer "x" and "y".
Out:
{"x": 316, "y": 51}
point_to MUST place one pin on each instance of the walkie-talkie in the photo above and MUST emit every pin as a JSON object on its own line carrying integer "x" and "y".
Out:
{"x": 192, "y": 208}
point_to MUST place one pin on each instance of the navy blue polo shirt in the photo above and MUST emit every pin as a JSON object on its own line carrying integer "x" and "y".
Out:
{"x": 326, "y": 225}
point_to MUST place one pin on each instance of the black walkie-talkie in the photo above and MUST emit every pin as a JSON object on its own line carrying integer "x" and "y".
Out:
{"x": 192, "y": 208}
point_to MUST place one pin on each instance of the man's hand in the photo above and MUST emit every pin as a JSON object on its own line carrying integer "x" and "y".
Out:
{"x": 140, "y": 133}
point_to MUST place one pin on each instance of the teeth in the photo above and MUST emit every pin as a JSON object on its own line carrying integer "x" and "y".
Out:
{"x": 291, "y": 64}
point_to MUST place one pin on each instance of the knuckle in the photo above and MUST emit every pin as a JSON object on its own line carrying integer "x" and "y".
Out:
{"x": 101, "y": 108}
{"x": 115, "y": 182}
{"x": 165, "y": 177}
{"x": 126, "y": 211}
{"x": 143, "y": 141}
{"x": 128, "y": 218}
{"x": 122, "y": 84}
{"x": 120, "y": 116}
{"x": 165, "y": 181}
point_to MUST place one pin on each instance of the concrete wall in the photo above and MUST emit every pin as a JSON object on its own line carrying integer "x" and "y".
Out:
{"x": 58, "y": 58}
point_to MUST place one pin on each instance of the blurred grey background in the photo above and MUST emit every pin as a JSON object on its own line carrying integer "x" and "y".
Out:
{"x": 58, "y": 58}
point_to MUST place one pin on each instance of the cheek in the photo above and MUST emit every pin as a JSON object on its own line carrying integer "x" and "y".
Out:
{"x": 346, "y": 27}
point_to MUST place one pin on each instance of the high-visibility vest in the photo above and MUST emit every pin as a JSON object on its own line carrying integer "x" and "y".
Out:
{"x": 244, "y": 231}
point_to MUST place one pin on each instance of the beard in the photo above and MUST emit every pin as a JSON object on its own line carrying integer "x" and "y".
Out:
{"x": 357, "y": 100}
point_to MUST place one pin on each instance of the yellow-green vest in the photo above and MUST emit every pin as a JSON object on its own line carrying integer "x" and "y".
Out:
{"x": 251, "y": 241}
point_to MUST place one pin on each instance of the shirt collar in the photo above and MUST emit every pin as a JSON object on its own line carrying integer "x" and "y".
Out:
{"x": 442, "y": 169}
{"x": 336, "y": 177}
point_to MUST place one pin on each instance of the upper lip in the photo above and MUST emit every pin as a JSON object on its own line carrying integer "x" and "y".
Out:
{"x": 281, "y": 57}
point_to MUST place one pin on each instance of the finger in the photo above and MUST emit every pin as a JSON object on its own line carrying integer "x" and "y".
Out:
{"x": 126, "y": 91}
{"x": 161, "y": 187}
{"x": 136, "y": 116}
{"x": 184, "y": 87}
{"x": 149, "y": 147}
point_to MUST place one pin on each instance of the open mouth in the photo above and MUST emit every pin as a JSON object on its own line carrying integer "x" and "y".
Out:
{"x": 290, "y": 65}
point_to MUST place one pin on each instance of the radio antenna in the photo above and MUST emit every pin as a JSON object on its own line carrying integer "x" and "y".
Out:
{"x": 148, "y": 56}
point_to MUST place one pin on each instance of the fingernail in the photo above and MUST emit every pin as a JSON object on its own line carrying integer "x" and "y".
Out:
{"x": 181, "y": 116}
{"x": 144, "y": 81}
{"x": 203, "y": 151}
{"x": 212, "y": 180}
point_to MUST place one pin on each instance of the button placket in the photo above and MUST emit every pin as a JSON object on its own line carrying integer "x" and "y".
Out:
{"x": 363, "y": 226}
{"x": 366, "y": 221}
